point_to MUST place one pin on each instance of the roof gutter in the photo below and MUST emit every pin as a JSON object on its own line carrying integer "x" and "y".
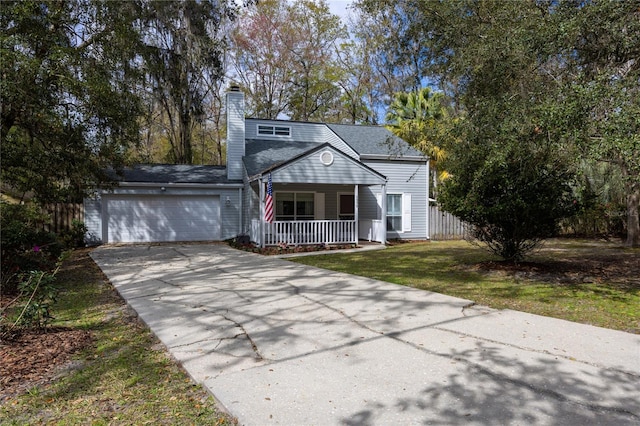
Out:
{"x": 181, "y": 185}
{"x": 393, "y": 157}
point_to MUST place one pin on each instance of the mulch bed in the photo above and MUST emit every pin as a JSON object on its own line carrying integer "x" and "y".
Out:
{"x": 35, "y": 357}
{"x": 592, "y": 268}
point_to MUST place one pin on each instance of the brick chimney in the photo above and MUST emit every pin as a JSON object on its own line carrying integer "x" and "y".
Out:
{"x": 235, "y": 133}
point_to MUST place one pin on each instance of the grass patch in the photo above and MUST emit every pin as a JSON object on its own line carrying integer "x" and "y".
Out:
{"x": 589, "y": 282}
{"x": 125, "y": 377}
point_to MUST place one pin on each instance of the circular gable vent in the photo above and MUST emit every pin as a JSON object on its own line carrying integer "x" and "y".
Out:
{"x": 326, "y": 158}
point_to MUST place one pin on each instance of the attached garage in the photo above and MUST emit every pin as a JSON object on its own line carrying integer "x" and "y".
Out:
{"x": 165, "y": 203}
{"x": 143, "y": 219}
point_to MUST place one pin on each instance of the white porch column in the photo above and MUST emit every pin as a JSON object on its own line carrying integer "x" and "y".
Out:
{"x": 261, "y": 218}
{"x": 355, "y": 212}
{"x": 383, "y": 225}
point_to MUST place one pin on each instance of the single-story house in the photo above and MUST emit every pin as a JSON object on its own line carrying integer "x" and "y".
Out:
{"x": 325, "y": 184}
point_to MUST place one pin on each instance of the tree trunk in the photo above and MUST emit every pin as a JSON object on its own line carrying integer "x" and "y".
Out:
{"x": 633, "y": 221}
{"x": 185, "y": 139}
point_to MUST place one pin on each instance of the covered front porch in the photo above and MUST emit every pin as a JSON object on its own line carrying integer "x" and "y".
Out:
{"x": 313, "y": 214}
{"x": 320, "y": 196}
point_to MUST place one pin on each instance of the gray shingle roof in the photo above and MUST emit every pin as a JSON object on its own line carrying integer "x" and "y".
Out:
{"x": 175, "y": 173}
{"x": 261, "y": 155}
{"x": 373, "y": 140}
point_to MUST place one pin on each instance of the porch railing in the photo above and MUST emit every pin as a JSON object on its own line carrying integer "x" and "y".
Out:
{"x": 371, "y": 230}
{"x": 311, "y": 232}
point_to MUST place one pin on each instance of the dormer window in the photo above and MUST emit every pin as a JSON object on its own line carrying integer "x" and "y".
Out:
{"x": 268, "y": 130}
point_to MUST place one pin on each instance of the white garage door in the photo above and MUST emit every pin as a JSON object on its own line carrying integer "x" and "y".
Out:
{"x": 137, "y": 219}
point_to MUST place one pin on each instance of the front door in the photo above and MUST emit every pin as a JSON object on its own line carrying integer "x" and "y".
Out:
{"x": 346, "y": 206}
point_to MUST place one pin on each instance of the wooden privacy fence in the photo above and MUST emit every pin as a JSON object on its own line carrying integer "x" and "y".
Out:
{"x": 62, "y": 215}
{"x": 445, "y": 226}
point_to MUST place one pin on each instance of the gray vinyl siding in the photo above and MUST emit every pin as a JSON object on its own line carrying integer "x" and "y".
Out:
{"x": 230, "y": 214}
{"x": 334, "y": 140}
{"x": 403, "y": 177}
{"x": 235, "y": 135}
{"x": 310, "y": 169}
{"x": 368, "y": 203}
{"x": 300, "y": 132}
{"x": 93, "y": 220}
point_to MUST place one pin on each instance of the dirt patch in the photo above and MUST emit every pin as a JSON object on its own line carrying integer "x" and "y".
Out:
{"x": 36, "y": 356}
{"x": 620, "y": 269}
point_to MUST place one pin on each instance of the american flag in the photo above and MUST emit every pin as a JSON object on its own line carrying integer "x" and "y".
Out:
{"x": 268, "y": 202}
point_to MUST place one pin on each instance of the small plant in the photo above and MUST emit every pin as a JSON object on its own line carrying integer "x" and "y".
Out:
{"x": 32, "y": 306}
{"x": 74, "y": 237}
{"x": 25, "y": 246}
{"x": 41, "y": 292}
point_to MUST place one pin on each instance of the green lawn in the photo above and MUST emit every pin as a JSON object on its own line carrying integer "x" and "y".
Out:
{"x": 125, "y": 378}
{"x": 598, "y": 283}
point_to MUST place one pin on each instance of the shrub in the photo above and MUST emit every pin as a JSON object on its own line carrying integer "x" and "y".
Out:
{"x": 74, "y": 237}
{"x": 32, "y": 307}
{"x": 24, "y": 245}
{"x": 513, "y": 195}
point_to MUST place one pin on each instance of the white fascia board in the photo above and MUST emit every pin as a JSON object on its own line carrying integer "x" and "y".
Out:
{"x": 392, "y": 157}
{"x": 182, "y": 185}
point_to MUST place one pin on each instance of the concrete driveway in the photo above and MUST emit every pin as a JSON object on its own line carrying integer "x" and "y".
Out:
{"x": 280, "y": 343}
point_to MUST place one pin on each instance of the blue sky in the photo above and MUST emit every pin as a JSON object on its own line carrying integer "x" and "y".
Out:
{"x": 339, "y": 7}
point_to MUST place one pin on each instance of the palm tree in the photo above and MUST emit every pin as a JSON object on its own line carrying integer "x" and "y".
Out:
{"x": 422, "y": 119}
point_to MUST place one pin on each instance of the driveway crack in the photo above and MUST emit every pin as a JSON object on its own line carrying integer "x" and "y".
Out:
{"x": 246, "y": 334}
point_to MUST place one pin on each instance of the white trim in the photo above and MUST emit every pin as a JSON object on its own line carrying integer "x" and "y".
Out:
{"x": 356, "y": 201}
{"x": 428, "y": 216}
{"x": 406, "y": 212}
{"x": 401, "y": 194}
{"x": 326, "y": 157}
{"x": 274, "y": 129}
{"x": 392, "y": 157}
{"x": 261, "y": 196}
{"x": 383, "y": 216}
{"x": 240, "y": 208}
{"x": 178, "y": 185}
{"x": 297, "y": 232}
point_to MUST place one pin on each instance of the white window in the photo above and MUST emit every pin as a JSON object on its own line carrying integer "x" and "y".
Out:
{"x": 295, "y": 205}
{"x": 394, "y": 212}
{"x": 399, "y": 212}
{"x": 268, "y": 130}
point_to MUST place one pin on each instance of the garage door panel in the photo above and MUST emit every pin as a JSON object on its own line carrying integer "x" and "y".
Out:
{"x": 163, "y": 218}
